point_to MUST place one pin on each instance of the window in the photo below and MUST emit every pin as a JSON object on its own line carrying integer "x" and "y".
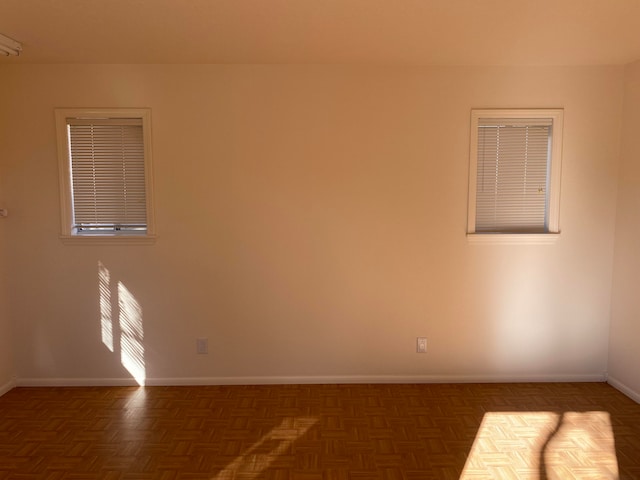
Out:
{"x": 514, "y": 175}
{"x": 105, "y": 174}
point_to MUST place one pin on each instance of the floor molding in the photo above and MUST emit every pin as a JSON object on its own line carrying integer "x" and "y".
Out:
{"x": 629, "y": 392}
{"x": 7, "y": 386}
{"x": 285, "y": 380}
{"x": 76, "y": 382}
{"x": 346, "y": 379}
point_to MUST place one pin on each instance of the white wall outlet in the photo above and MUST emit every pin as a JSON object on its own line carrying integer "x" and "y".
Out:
{"x": 421, "y": 345}
{"x": 202, "y": 346}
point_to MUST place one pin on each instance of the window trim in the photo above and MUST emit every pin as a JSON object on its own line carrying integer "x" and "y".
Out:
{"x": 553, "y": 227}
{"x": 64, "y": 167}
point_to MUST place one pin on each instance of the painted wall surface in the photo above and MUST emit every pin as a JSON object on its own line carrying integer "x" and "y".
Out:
{"x": 624, "y": 355}
{"x": 6, "y": 337}
{"x": 311, "y": 223}
{"x": 7, "y": 371}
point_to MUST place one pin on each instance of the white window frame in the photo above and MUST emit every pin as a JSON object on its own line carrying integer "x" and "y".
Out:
{"x": 64, "y": 166}
{"x": 552, "y": 232}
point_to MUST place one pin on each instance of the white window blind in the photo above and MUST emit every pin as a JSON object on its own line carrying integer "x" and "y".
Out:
{"x": 513, "y": 172}
{"x": 107, "y": 168}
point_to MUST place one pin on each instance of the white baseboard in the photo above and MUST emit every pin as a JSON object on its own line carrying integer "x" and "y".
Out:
{"x": 7, "y": 386}
{"x": 76, "y": 382}
{"x": 629, "y": 392}
{"x": 288, "y": 380}
{"x": 355, "y": 379}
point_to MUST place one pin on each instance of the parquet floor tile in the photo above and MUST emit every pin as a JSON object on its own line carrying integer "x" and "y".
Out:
{"x": 320, "y": 432}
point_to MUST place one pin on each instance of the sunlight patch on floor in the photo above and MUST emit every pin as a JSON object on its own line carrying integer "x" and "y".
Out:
{"x": 543, "y": 445}
{"x": 252, "y": 463}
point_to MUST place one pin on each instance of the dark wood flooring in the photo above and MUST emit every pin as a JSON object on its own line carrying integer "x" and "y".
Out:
{"x": 435, "y": 431}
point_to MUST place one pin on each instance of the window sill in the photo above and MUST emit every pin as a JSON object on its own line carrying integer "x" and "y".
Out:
{"x": 512, "y": 238}
{"x": 108, "y": 240}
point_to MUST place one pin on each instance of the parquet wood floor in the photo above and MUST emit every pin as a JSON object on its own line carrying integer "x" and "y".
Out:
{"x": 329, "y": 432}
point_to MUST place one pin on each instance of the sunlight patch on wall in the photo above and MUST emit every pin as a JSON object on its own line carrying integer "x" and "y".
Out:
{"x": 131, "y": 334}
{"x": 256, "y": 459}
{"x": 104, "y": 295}
{"x": 121, "y": 326}
{"x": 540, "y": 445}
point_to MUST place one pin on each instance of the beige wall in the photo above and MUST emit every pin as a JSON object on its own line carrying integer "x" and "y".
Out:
{"x": 6, "y": 337}
{"x": 312, "y": 223}
{"x": 624, "y": 354}
{"x": 7, "y": 370}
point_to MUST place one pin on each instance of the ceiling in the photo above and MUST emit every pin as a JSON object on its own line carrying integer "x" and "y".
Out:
{"x": 401, "y": 32}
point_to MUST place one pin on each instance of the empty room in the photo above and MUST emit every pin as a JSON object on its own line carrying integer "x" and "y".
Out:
{"x": 319, "y": 239}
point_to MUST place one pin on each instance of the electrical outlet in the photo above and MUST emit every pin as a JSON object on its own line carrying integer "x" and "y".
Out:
{"x": 421, "y": 345}
{"x": 202, "y": 346}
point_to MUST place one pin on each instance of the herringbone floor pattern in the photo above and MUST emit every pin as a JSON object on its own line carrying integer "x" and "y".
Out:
{"x": 492, "y": 431}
